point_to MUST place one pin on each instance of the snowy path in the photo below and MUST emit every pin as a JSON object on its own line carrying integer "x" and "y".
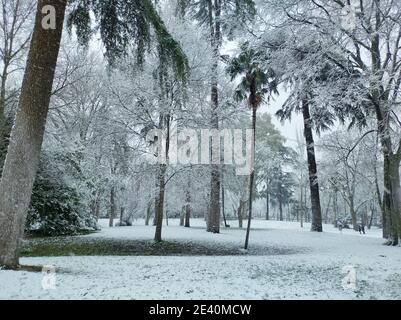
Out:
{"x": 314, "y": 271}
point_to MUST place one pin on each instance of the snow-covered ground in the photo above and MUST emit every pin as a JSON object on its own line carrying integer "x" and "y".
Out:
{"x": 302, "y": 265}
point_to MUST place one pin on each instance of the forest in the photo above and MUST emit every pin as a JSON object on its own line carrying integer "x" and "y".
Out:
{"x": 267, "y": 130}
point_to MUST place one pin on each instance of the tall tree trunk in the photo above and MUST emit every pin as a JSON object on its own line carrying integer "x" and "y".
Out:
{"x": 213, "y": 223}
{"x": 4, "y": 131}
{"x": 353, "y": 213}
{"x": 160, "y": 203}
{"x": 267, "y": 200}
{"x": 313, "y": 178}
{"x": 97, "y": 211}
{"x": 392, "y": 201}
{"x": 252, "y": 177}
{"x": 112, "y": 207}
{"x": 156, "y": 201}
{"x": 122, "y": 212}
{"x": 27, "y": 135}
{"x": 280, "y": 201}
{"x": 188, "y": 209}
{"x": 372, "y": 216}
{"x": 391, "y": 194}
{"x": 162, "y": 182}
{"x": 335, "y": 208}
{"x": 223, "y": 201}
{"x": 326, "y": 216}
{"x": 182, "y": 216}
{"x": 148, "y": 213}
{"x": 241, "y": 209}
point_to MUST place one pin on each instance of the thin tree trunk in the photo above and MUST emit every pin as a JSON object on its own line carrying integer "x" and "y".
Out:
{"x": 148, "y": 213}
{"x": 223, "y": 202}
{"x": 122, "y": 211}
{"x": 267, "y": 200}
{"x": 252, "y": 177}
{"x": 160, "y": 203}
{"x": 313, "y": 178}
{"x": 27, "y": 135}
{"x": 372, "y": 215}
{"x": 3, "y": 121}
{"x": 112, "y": 207}
{"x": 241, "y": 209}
{"x": 280, "y": 203}
{"x": 353, "y": 214}
{"x": 97, "y": 211}
{"x": 326, "y": 216}
{"x": 213, "y": 223}
{"x": 395, "y": 194}
{"x": 162, "y": 183}
{"x": 188, "y": 209}
{"x": 182, "y": 216}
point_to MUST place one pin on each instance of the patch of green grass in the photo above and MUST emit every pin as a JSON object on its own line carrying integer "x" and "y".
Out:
{"x": 24, "y": 268}
{"x": 92, "y": 246}
{"x": 80, "y": 246}
{"x": 39, "y": 234}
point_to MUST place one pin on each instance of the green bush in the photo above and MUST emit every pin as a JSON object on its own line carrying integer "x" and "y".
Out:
{"x": 56, "y": 207}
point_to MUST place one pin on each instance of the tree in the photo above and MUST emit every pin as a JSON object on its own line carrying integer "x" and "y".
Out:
{"x": 15, "y": 17}
{"x": 219, "y": 17}
{"x": 270, "y": 154}
{"x": 255, "y": 84}
{"x": 350, "y": 168}
{"x": 312, "y": 166}
{"x": 132, "y": 20}
{"x": 27, "y": 135}
{"x": 364, "y": 44}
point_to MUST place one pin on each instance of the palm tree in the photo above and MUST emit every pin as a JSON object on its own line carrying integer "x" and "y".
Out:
{"x": 255, "y": 84}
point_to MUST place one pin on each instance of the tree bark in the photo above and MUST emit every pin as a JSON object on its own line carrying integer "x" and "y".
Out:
{"x": 162, "y": 181}
{"x": 213, "y": 223}
{"x": 267, "y": 200}
{"x": 188, "y": 209}
{"x": 280, "y": 199}
{"x": 241, "y": 209}
{"x": 353, "y": 213}
{"x": 122, "y": 212}
{"x": 223, "y": 201}
{"x": 312, "y": 167}
{"x": 160, "y": 203}
{"x": 148, "y": 213}
{"x": 252, "y": 177}
{"x": 392, "y": 202}
{"x": 112, "y": 207}
{"x": 27, "y": 135}
{"x": 182, "y": 216}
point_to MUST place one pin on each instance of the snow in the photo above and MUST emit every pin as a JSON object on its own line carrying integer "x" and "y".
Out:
{"x": 312, "y": 269}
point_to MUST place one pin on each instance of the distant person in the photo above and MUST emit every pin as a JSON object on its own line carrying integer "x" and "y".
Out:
{"x": 361, "y": 228}
{"x": 340, "y": 226}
